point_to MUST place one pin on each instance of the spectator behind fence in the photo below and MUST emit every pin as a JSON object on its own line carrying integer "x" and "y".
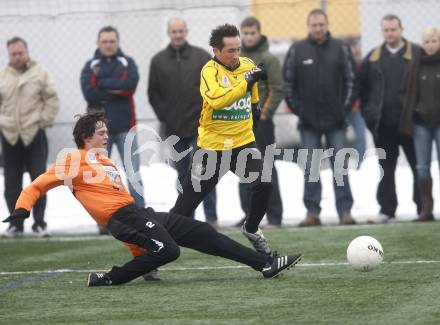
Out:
{"x": 319, "y": 74}
{"x": 256, "y": 47}
{"x": 173, "y": 92}
{"x": 381, "y": 79}
{"x": 108, "y": 82}
{"x": 421, "y": 114}
{"x": 29, "y": 104}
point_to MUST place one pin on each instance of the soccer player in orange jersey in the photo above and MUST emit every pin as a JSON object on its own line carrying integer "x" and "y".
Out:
{"x": 154, "y": 237}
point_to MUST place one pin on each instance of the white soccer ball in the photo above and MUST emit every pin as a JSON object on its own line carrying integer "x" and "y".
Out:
{"x": 364, "y": 253}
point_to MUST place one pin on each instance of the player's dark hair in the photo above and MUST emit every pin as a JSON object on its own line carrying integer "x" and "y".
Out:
{"x": 251, "y": 22}
{"x": 217, "y": 34}
{"x": 16, "y": 39}
{"x": 392, "y": 17}
{"x": 108, "y": 29}
{"x": 86, "y": 125}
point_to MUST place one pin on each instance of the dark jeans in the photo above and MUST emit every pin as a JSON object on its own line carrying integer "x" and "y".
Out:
{"x": 423, "y": 138}
{"x": 336, "y": 139}
{"x": 182, "y": 167}
{"x": 265, "y": 135}
{"x": 390, "y": 140}
{"x": 191, "y": 197}
{"x": 19, "y": 158}
{"x": 162, "y": 233}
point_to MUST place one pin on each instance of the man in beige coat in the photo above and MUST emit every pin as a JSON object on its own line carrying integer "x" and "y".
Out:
{"x": 28, "y": 105}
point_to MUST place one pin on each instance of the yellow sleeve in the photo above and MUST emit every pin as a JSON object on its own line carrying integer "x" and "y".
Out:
{"x": 54, "y": 177}
{"x": 255, "y": 97}
{"x": 215, "y": 94}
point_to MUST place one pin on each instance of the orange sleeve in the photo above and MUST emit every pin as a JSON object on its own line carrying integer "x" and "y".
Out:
{"x": 54, "y": 177}
{"x": 135, "y": 249}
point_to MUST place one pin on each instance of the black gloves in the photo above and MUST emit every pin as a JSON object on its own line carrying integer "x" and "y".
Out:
{"x": 19, "y": 214}
{"x": 256, "y": 74}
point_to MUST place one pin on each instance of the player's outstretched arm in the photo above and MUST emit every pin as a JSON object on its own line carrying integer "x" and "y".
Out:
{"x": 42, "y": 184}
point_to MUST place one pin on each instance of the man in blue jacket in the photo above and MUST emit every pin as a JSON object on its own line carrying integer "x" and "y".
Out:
{"x": 108, "y": 82}
{"x": 319, "y": 74}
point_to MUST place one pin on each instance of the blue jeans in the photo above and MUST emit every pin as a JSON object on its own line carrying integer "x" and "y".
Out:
{"x": 359, "y": 127}
{"x": 119, "y": 139}
{"x": 423, "y": 137}
{"x": 336, "y": 139}
{"x": 182, "y": 166}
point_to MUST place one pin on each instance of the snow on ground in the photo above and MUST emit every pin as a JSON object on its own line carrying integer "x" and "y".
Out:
{"x": 65, "y": 215}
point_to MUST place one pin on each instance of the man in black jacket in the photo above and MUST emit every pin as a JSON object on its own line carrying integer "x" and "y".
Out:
{"x": 173, "y": 92}
{"x": 319, "y": 74}
{"x": 380, "y": 81}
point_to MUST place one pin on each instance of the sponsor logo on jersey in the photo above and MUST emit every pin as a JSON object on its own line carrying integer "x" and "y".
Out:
{"x": 91, "y": 156}
{"x": 239, "y": 110}
{"x": 225, "y": 81}
{"x": 114, "y": 176}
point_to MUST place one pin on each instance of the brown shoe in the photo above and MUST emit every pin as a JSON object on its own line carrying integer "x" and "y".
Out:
{"x": 426, "y": 200}
{"x": 311, "y": 219}
{"x": 347, "y": 219}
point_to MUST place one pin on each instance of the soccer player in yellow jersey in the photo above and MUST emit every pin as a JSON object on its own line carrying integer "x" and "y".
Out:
{"x": 153, "y": 237}
{"x": 226, "y": 141}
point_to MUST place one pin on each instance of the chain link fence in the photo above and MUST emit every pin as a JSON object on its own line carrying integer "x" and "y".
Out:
{"x": 62, "y": 36}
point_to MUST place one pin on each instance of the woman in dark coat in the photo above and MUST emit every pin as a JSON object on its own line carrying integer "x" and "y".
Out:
{"x": 421, "y": 113}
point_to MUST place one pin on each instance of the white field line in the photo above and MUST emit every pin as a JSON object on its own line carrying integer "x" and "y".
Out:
{"x": 204, "y": 268}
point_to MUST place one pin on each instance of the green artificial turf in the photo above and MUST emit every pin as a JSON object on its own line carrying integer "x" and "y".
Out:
{"x": 200, "y": 289}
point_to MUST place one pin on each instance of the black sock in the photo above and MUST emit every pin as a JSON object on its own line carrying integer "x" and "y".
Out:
{"x": 251, "y": 228}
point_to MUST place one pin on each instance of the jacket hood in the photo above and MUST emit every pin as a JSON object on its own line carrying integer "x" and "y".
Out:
{"x": 261, "y": 46}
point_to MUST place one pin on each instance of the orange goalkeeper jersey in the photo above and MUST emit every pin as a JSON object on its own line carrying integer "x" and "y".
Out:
{"x": 93, "y": 179}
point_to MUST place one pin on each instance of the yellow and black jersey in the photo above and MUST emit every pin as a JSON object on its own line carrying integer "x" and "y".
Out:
{"x": 226, "y": 118}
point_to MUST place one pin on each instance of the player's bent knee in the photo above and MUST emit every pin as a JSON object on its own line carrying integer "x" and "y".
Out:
{"x": 171, "y": 253}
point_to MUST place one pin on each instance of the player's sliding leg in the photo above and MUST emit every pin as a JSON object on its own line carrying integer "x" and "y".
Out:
{"x": 204, "y": 238}
{"x": 153, "y": 275}
{"x": 137, "y": 226}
